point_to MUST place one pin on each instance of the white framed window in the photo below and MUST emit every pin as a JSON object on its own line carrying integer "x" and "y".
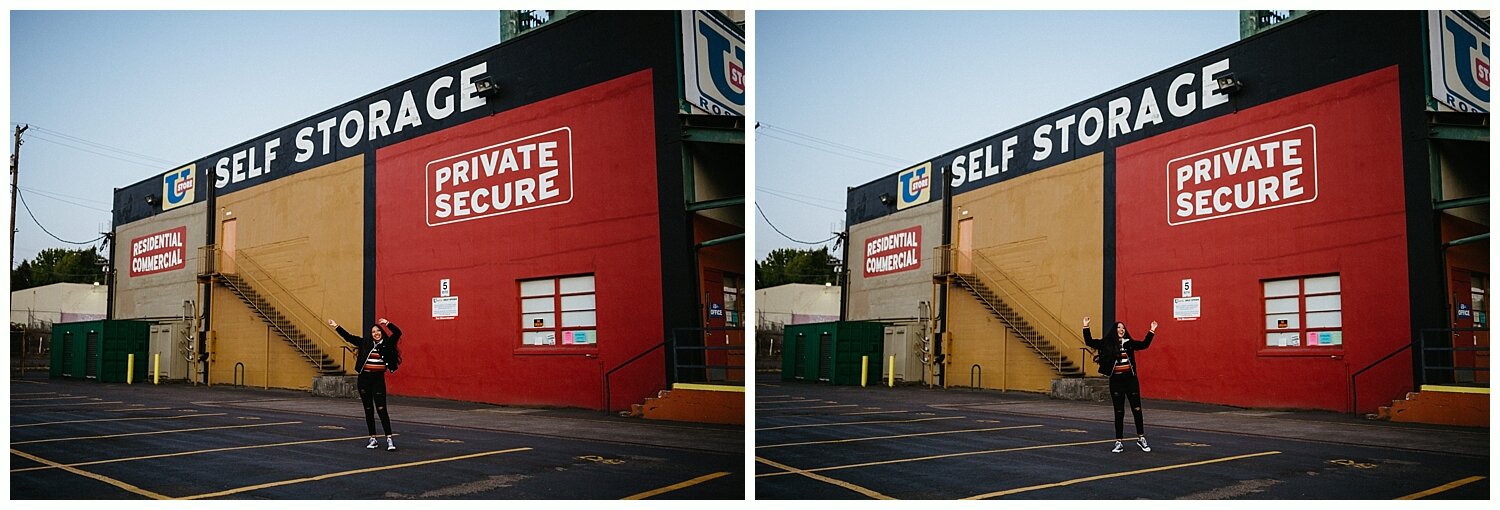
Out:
{"x": 559, "y": 312}
{"x": 1303, "y": 312}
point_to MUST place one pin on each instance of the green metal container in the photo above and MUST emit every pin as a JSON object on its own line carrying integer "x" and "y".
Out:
{"x": 100, "y": 350}
{"x": 832, "y": 352}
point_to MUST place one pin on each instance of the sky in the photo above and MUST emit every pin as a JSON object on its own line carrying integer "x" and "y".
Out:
{"x": 113, "y": 98}
{"x": 844, "y": 98}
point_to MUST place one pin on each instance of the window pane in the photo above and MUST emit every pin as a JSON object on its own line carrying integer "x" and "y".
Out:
{"x": 1325, "y": 320}
{"x": 576, "y": 284}
{"x": 1282, "y": 340}
{"x": 1280, "y": 288}
{"x": 537, "y": 288}
{"x": 539, "y": 338}
{"x": 580, "y": 337}
{"x": 534, "y": 305}
{"x": 1323, "y": 303}
{"x": 580, "y": 302}
{"x": 1281, "y": 305}
{"x": 537, "y": 320}
{"x": 1282, "y": 321}
{"x": 578, "y": 319}
{"x": 1322, "y": 284}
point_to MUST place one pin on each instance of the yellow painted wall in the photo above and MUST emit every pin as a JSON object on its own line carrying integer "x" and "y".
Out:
{"x": 307, "y": 231}
{"x": 1045, "y": 230}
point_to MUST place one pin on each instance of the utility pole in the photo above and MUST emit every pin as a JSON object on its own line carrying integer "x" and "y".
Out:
{"x": 15, "y": 182}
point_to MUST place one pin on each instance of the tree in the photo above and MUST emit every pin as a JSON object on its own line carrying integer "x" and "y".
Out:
{"x": 58, "y": 265}
{"x": 790, "y": 265}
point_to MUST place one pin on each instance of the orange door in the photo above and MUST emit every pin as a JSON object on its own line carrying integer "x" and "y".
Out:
{"x": 226, "y": 262}
{"x": 962, "y": 264}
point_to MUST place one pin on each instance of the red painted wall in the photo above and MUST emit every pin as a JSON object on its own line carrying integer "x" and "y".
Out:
{"x": 1355, "y": 227}
{"x": 609, "y": 228}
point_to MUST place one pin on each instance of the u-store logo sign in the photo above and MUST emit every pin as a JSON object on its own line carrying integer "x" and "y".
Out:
{"x": 1460, "y": 61}
{"x": 178, "y": 187}
{"x": 915, "y": 186}
{"x": 713, "y": 64}
{"x": 1262, "y": 173}
{"x": 518, "y": 175}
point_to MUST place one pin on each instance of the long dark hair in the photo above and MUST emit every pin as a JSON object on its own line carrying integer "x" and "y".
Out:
{"x": 392, "y": 354}
{"x": 1112, "y": 336}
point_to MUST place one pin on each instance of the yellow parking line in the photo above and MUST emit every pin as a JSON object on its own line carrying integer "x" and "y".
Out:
{"x": 117, "y": 419}
{"x": 34, "y": 393}
{"x": 155, "y": 432}
{"x": 13, "y": 381}
{"x": 796, "y": 401}
{"x": 899, "y": 436}
{"x": 840, "y": 483}
{"x": 193, "y": 452}
{"x": 680, "y": 485}
{"x": 87, "y": 474}
{"x": 773, "y": 396}
{"x": 347, "y": 473}
{"x": 60, "y": 405}
{"x": 859, "y": 423}
{"x": 933, "y": 457}
{"x": 1442, "y": 488}
{"x": 1117, "y": 475}
{"x": 45, "y": 398}
{"x": 872, "y": 412}
{"x": 133, "y": 409}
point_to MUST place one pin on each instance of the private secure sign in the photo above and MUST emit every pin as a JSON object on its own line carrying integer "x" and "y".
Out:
{"x": 159, "y": 252}
{"x": 1262, "y": 173}
{"x": 518, "y": 175}
{"x": 894, "y": 252}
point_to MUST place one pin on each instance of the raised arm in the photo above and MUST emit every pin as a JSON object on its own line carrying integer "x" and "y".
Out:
{"x": 395, "y": 331}
{"x": 345, "y": 334}
{"x": 1088, "y": 337}
{"x": 1142, "y": 345}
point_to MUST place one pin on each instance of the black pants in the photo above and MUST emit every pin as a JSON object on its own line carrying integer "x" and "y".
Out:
{"x": 372, "y": 395}
{"x": 1121, "y": 387}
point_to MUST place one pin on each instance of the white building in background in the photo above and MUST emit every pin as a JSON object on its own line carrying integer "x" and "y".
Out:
{"x": 59, "y": 302}
{"x": 796, "y": 303}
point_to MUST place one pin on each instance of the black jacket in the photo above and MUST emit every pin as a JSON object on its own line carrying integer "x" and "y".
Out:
{"x": 1108, "y": 352}
{"x": 367, "y": 343}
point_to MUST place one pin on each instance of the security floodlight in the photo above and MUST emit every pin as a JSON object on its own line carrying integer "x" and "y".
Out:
{"x": 1228, "y": 85}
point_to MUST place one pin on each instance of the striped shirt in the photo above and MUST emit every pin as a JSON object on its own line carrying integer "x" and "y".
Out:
{"x": 374, "y": 363}
{"x": 1122, "y": 363}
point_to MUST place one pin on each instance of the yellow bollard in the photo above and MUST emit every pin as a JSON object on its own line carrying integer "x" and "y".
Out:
{"x": 864, "y": 370}
{"x": 129, "y": 368}
{"x": 156, "y": 368}
{"x": 890, "y": 381}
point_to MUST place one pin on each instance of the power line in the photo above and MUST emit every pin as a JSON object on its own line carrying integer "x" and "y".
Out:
{"x": 50, "y": 192}
{"x": 783, "y": 234}
{"x": 831, "y": 143}
{"x": 22, "y": 198}
{"x": 102, "y": 146}
{"x": 74, "y": 147}
{"x": 804, "y": 202}
{"x": 46, "y": 195}
{"x": 826, "y": 151}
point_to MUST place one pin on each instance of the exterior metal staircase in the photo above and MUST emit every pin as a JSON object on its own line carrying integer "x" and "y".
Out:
{"x": 321, "y": 361}
{"x": 1023, "y": 330}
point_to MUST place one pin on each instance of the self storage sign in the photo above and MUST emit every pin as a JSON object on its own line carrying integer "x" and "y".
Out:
{"x": 1262, "y": 173}
{"x": 518, "y": 175}
{"x": 159, "y": 252}
{"x": 894, "y": 252}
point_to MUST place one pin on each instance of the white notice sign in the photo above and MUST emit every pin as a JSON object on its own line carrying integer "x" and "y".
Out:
{"x": 445, "y": 307}
{"x": 1186, "y": 309}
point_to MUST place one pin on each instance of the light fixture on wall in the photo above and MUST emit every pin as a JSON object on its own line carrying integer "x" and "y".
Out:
{"x": 887, "y": 199}
{"x": 1228, "y": 84}
{"x": 151, "y": 199}
{"x": 485, "y": 87}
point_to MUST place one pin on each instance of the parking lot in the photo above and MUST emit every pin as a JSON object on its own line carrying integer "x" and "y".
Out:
{"x": 81, "y": 440}
{"x": 815, "y": 441}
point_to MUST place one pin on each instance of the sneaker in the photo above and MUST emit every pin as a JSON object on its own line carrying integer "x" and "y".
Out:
{"x": 373, "y": 444}
{"x": 1119, "y": 447}
{"x": 1141, "y": 442}
{"x": 390, "y": 444}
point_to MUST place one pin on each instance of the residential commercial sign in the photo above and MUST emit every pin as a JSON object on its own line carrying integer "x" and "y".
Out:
{"x": 518, "y": 175}
{"x": 1266, "y": 172}
{"x": 1460, "y": 61}
{"x": 713, "y": 63}
{"x": 894, "y": 252}
{"x": 159, "y": 252}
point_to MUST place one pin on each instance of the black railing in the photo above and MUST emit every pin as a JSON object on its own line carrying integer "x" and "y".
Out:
{"x": 1442, "y": 361}
{"x": 1354, "y": 381}
{"x": 699, "y": 367}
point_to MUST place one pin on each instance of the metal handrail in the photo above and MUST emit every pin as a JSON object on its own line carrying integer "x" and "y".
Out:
{"x": 622, "y": 365}
{"x": 1021, "y": 306}
{"x": 1354, "y": 383}
{"x": 316, "y": 332}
